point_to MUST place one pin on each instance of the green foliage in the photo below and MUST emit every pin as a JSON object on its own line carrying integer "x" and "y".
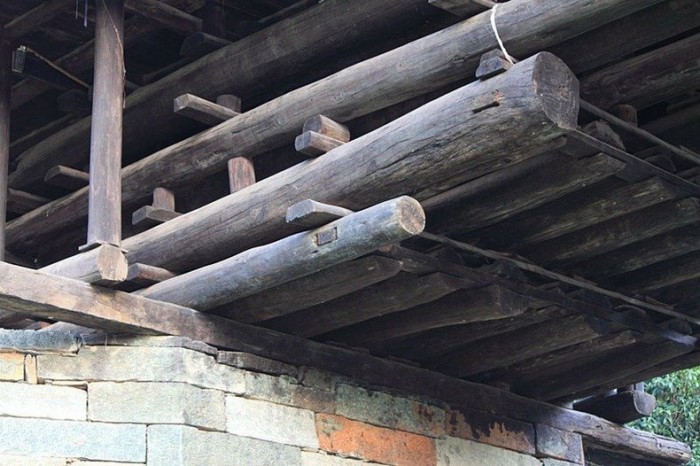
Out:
{"x": 677, "y": 413}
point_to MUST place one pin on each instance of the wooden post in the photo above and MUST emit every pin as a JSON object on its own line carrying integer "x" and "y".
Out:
{"x": 5, "y": 109}
{"x": 241, "y": 173}
{"x": 104, "y": 211}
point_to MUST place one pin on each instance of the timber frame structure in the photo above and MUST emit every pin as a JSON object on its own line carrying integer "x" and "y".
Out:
{"x": 372, "y": 187}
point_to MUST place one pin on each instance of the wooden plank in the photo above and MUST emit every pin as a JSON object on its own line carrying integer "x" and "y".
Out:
{"x": 457, "y": 308}
{"x": 311, "y": 214}
{"x": 105, "y": 207}
{"x": 396, "y": 294}
{"x": 164, "y": 14}
{"x": 241, "y": 173}
{"x": 294, "y": 257}
{"x": 67, "y": 177}
{"x": 362, "y": 172}
{"x": 563, "y": 20}
{"x": 648, "y": 78}
{"x": 616, "y": 233}
{"x": 499, "y": 351}
{"x": 5, "y": 113}
{"x": 202, "y": 110}
{"x": 40, "y": 295}
{"x": 20, "y": 202}
{"x": 35, "y": 18}
{"x": 323, "y": 286}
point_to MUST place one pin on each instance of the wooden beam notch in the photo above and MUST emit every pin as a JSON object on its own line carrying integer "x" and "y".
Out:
{"x": 204, "y": 111}
{"x": 492, "y": 63}
{"x": 161, "y": 211}
{"x": 67, "y": 178}
{"x": 321, "y": 135}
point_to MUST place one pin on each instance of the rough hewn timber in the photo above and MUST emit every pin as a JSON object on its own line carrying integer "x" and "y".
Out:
{"x": 109, "y": 268}
{"x": 323, "y": 286}
{"x": 166, "y": 15}
{"x": 646, "y": 79}
{"x": 202, "y": 110}
{"x": 461, "y": 307}
{"x": 369, "y": 169}
{"x": 41, "y": 295}
{"x": 34, "y": 18}
{"x": 67, "y": 177}
{"x": 661, "y": 275}
{"x": 394, "y": 77}
{"x": 294, "y": 257}
{"x": 622, "y": 407}
{"x": 396, "y": 294}
{"x": 19, "y": 202}
{"x": 104, "y": 205}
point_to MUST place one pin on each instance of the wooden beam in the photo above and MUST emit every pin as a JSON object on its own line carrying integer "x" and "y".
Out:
{"x": 241, "y": 173}
{"x": 315, "y": 144}
{"x": 327, "y": 127}
{"x": 166, "y": 15}
{"x": 646, "y": 79}
{"x": 493, "y": 352}
{"x": 20, "y": 202}
{"x": 674, "y": 119}
{"x": 67, "y": 178}
{"x": 5, "y": 113}
{"x": 524, "y": 28}
{"x": 160, "y": 211}
{"x": 621, "y": 408}
{"x": 40, "y": 295}
{"x": 661, "y": 275}
{"x": 109, "y": 267}
{"x": 200, "y": 43}
{"x": 463, "y": 8}
{"x": 312, "y": 214}
{"x": 35, "y": 18}
{"x": 105, "y": 207}
{"x": 143, "y": 275}
{"x": 202, "y": 110}
{"x": 294, "y": 257}
{"x": 349, "y": 178}
{"x": 396, "y": 294}
{"x": 323, "y": 286}
{"x": 461, "y": 307}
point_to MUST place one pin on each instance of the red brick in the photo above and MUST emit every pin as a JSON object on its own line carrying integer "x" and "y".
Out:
{"x": 340, "y": 435}
{"x": 491, "y": 430}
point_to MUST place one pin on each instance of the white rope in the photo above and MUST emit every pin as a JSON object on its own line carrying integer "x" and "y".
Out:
{"x": 498, "y": 37}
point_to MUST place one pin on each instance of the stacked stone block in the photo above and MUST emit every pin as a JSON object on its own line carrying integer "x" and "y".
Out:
{"x": 166, "y": 401}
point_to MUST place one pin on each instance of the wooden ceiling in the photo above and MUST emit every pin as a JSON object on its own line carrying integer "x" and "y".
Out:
{"x": 575, "y": 209}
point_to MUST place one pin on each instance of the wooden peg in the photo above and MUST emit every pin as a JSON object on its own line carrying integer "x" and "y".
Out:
{"x": 492, "y": 63}
{"x": 241, "y": 173}
{"x": 161, "y": 211}
{"x": 321, "y": 135}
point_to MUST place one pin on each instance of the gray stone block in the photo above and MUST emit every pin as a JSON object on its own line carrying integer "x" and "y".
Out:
{"x": 73, "y": 439}
{"x": 255, "y": 363}
{"x": 186, "y": 446}
{"x": 151, "y": 341}
{"x": 15, "y": 460}
{"x": 156, "y": 403}
{"x": 35, "y": 342}
{"x": 390, "y": 411}
{"x": 278, "y": 389}
{"x": 11, "y": 366}
{"x": 269, "y": 421}
{"x": 42, "y": 401}
{"x": 453, "y": 451}
{"x": 142, "y": 364}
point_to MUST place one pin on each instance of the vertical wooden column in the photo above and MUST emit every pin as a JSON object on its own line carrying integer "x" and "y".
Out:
{"x": 104, "y": 221}
{"x": 5, "y": 107}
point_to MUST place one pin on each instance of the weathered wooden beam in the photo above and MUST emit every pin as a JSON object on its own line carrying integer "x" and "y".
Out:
{"x": 363, "y": 171}
{"x": 462, "y": 8}
{"x": 74, "y": 102}
{"x": 294, "y": 257}
{"x": 35, "y": 18}
{"x": 315, "y": 144}
{"x": 67, "y": 177}
{"x": 616, "y": 233}
{"x": 109, "y": 267}
{"x": 311, "y": 214}
{"x": 241, "y": 173}
{"x": 200, "y": 43}
{"x": 20, "y": 202}
{"x": 202, "y": 110}
{"x": 23, "y": 143}
{"x": 40, "y": 295}
{"x": 323, "y": 286}
{"x": 160, "y": 211}
{"x": 674, "y": 119}
{"x": 646, "y": 79}
{"x": 602, "y": 373}
{"x": 493, "y": 352}
{"x": 104, "y": 206}
{"x": 323, "y": 125}
{"x": 527, "y": 30}
{"x": 621, "y": 407}
{"x": 143, "y": 275}
{"x": 5, "y": 112}
{"x": 396, "y": 294}
{"x": 660, "y": 275}
{"x": 164, "y": 14}
{"x": 461, "y": 307}
{"x": 530, "y": 184}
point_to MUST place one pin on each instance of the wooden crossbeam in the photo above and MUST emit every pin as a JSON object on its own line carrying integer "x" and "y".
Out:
{"x": 35, "y": 18}
{"x": 67, "y": 177}
{"x": 202, "y": 110}
{"x": 20, "y": 202}
{"x": 621, "y": 407}
{"x": 160, "y": 211}
{"x": 321, "y": 135}
{"x": 166, "y": 15}
{"x": 200, "y": 43}
{"x": 44, "y": 296}
{"x": 143, "y": 275}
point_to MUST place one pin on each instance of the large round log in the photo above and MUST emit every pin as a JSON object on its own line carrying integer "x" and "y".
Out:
{"x": 533, "y": 103}
{"x": 296, "y": 256}
{"x": 414, "y": 69}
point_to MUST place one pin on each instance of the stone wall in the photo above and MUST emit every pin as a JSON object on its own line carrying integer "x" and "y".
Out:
{"x": 171, "y": 401}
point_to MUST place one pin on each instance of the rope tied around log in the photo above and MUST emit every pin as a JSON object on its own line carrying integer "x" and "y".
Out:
{"x": 498, "y": 36}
